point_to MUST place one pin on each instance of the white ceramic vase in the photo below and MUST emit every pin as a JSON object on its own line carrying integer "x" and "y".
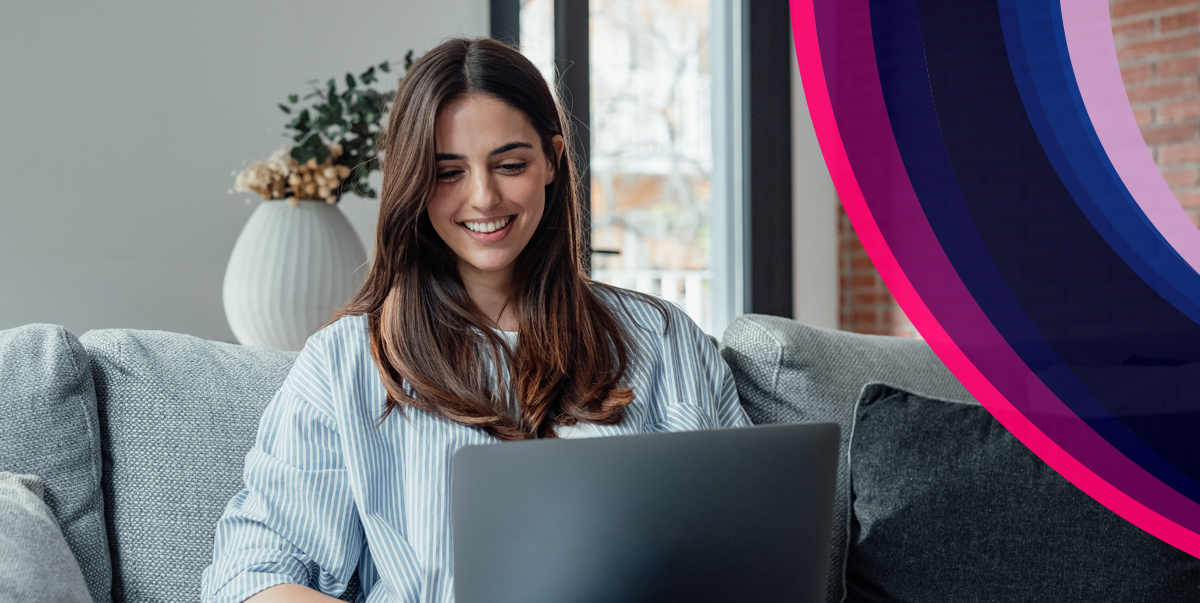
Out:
{"x": 291, "y": 267}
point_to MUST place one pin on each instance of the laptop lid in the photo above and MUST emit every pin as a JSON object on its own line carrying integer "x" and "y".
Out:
{"x": 739, "y": 514}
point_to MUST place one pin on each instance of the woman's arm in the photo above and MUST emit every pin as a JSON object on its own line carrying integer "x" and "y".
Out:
{"x": 295, "y": 522}
{"x": 285, "y": 593}
{"x": 697, "y": 382}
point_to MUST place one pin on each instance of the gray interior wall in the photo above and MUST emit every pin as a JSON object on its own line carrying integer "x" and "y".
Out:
{"x": 814, "y": 220}
{"x": 122, "y": 122}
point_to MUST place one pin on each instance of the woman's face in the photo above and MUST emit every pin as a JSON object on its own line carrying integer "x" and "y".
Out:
{"x": 491, "y": 179}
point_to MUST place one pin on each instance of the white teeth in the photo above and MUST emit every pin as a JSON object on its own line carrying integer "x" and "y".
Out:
{"x": 486, "y": 227}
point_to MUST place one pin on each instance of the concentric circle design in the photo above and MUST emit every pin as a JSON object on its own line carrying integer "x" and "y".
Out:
{"x": 987, "y": 156}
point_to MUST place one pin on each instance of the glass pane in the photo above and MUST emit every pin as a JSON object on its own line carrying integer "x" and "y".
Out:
{"x": 652, "y": 149}
{"x": 537, "y": 35}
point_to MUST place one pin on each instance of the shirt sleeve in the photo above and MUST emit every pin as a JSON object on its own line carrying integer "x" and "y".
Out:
{"x": 697, "y": 382}
{"x": 295, "y": 522}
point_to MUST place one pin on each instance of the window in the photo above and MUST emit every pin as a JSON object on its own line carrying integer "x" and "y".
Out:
{"x": 668, "y": 127}
{"x": 651, "y": 150}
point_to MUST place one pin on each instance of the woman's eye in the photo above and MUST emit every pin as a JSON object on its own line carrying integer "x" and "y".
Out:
{"x": 448, "y": 176}
{"x": 513, "y": 167}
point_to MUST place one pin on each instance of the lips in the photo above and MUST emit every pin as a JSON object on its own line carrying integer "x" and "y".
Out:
{"x": 489, "y": 226}
{"x": 491, "y": 230}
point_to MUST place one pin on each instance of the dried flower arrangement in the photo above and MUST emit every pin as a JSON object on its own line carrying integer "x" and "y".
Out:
{"x": 335, "y": 143}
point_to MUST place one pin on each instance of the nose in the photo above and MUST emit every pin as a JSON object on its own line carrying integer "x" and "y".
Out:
{"x": 483, "y": 194}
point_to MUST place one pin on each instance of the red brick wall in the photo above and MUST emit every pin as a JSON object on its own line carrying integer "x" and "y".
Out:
{"x": 864, "y": 302}
{"x": 1158, "y": 48}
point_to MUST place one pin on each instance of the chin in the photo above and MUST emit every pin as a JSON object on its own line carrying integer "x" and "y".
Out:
{"x": 490, "y": 265}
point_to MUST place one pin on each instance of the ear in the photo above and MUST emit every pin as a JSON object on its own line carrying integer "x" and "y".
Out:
{"x": 559, "y": 146}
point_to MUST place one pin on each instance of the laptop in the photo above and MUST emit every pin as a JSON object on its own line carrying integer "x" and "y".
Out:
{"x": 740, "y": 514}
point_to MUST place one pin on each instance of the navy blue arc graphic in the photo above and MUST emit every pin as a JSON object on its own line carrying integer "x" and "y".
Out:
{"x": 1030, "y": 212}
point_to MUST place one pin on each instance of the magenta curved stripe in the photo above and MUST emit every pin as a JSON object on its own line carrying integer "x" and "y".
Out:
{"x": 967, "y": 343}
{"x": 1093, "y": 55}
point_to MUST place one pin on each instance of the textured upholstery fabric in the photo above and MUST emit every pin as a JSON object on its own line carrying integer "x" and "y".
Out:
{"x": 178, "y": 415}
{"x": 949, "y": 506}
{"x": 788, "y": 372}
{"x": 49, "y": 429}
{"x": 36, "y": 565}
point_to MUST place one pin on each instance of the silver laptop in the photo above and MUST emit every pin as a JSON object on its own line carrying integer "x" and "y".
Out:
{"x": 721, "y": 515}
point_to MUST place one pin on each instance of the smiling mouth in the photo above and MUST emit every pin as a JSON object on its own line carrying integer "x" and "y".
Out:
{"x": 489, "y": 226}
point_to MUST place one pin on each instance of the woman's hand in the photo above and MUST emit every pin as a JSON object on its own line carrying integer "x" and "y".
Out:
{"x": 285, "y": 593}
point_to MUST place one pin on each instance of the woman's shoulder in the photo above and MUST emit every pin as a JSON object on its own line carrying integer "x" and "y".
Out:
{"x": 334, "y": 357}
{"x": 647, "y": 312}
{"x": 342, "y": 343}
{"x": 346, "y": 331}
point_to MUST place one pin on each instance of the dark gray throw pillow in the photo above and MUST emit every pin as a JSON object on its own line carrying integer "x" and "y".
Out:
{"x": 948, "y": 506}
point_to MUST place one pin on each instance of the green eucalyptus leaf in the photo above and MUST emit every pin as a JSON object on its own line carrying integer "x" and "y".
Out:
{"x": 311, "y": 148}
{"x": 299, "y": 154}
{"x": 301, "y": 122}
{"x": 352, "y": 119}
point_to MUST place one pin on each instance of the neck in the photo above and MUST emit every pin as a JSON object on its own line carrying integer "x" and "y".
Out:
{"x": 490, "y": 291}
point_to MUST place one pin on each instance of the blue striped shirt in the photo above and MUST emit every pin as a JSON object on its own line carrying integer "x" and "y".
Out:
{"x": 327, "y": 492}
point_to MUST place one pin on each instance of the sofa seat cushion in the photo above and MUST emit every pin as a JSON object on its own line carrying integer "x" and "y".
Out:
{"x": 788, "y": 372}
{"x": 36, "y": 565}
{"x": 178, "y": 415}
{"x": 949, "y": 506}
{"x": 50, "y": 430}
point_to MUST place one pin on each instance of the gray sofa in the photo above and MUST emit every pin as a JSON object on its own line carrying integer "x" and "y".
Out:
{"x": 139, "y": 439}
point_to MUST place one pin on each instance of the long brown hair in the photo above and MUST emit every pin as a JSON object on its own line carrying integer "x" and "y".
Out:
{"x": 427, "y": 333}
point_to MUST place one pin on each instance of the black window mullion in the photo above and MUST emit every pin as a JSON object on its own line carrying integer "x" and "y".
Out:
{"x": 768, "y": 160}
{"x": 506, "y": 21}
{"x": 571, "y": 62}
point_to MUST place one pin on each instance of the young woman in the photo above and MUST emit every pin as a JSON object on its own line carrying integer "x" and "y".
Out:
{"x": 476, "y": 324}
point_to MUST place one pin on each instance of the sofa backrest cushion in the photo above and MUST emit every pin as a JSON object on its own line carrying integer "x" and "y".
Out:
{"x": 949, "y": 506}
{"x": 788, "y": 372}
{"x": 178, "y": 415}
{"x": 50, "y": 429}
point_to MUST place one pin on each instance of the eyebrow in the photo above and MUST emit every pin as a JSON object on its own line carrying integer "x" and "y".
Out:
{"x": 502, "y": 149}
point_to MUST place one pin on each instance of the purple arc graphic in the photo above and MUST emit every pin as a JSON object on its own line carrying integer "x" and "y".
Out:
{"x": 997, "y": 180}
